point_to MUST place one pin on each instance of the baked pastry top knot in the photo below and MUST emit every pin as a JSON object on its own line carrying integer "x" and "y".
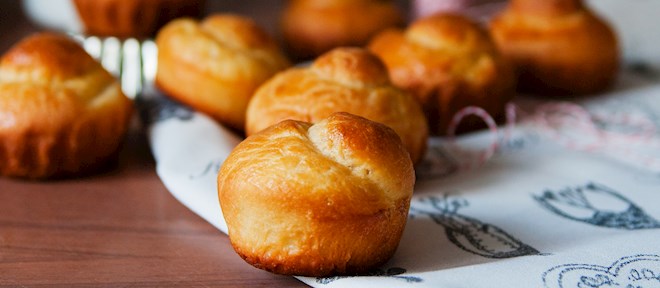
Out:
{"x": 216, "y": 65}
{"x": 55, "y": 62}
{"x": 447, "y": 62}
{"x": 349, "y": 80}
{"x": 226, "y": 45}
{"x": 352, "y": 66}
{"x": 451, "y": 33}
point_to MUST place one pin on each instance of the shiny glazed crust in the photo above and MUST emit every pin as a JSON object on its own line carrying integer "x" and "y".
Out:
{"x": 215, "y": 66}
{"x": 343, "y": 80}
{"x": 313, "y": 27}
{"x": 558, "y": 46}
{"x": 134, "y": 18}
{"x": 316, "y": 200}
{"x": 448, "y": 62}
{"x": 61, "y": 113}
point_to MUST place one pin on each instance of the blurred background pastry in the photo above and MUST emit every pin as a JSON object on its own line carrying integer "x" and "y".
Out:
{"x": 322, "y": 199}
{"x": 62, "y": 113}
{"x": 119, "y": 18}
{"x": 313, "y": 27}
{"x": 135, "y": 18}
{"x": 448, "y": 62}
{"x": 216, "y": 65}
{"x": 557, "y": 46}
{"x": 343, "y": 80}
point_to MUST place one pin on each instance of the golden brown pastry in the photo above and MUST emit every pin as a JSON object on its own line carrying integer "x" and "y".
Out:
{"x": 61, "y": 113}
{"x": 216, "y": 65}
{"x": 343, "y": 80}
{"x": 557, "y": 46}
{"x": 448, "y": 62}
{"x": 132, "y": 18}
{"x": 313, "y": 27}
{"x": 316, "y": 200}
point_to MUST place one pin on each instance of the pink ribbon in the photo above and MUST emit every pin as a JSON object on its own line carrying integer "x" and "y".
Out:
{"x": 482, "y": 156}
{"x": 573, "y": 127}
{"x": 476, "y": 9}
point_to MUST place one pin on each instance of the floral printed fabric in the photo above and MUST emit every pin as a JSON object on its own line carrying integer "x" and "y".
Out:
{"x": 569, "y": 199}
{"x": 536, "y": 214}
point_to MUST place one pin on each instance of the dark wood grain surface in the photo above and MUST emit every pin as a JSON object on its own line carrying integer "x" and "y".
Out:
{"x": 120, "y": 227}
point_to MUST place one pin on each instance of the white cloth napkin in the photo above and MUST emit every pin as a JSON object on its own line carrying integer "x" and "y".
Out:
{"x": 536, "y": 214}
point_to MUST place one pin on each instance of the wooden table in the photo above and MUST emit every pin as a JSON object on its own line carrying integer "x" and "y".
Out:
{"x": 117, "y": 228}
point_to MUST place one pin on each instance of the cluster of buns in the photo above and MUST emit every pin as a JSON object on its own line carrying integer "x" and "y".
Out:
{"x": 62, "y": 113}
{"x": 558, "y": 46}
{"x": 135, "y": 18}
{"x": 324, "y": 196}
{"x": 322, "y": 184}
{"x": 321, "y": 199}
{"x": 314, "y": 192}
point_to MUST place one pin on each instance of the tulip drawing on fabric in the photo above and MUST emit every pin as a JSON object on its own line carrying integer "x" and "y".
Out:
{"x": 636, "y": 271}
{"x": 468, "y": 233}
{"x": 597, "y": 205}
